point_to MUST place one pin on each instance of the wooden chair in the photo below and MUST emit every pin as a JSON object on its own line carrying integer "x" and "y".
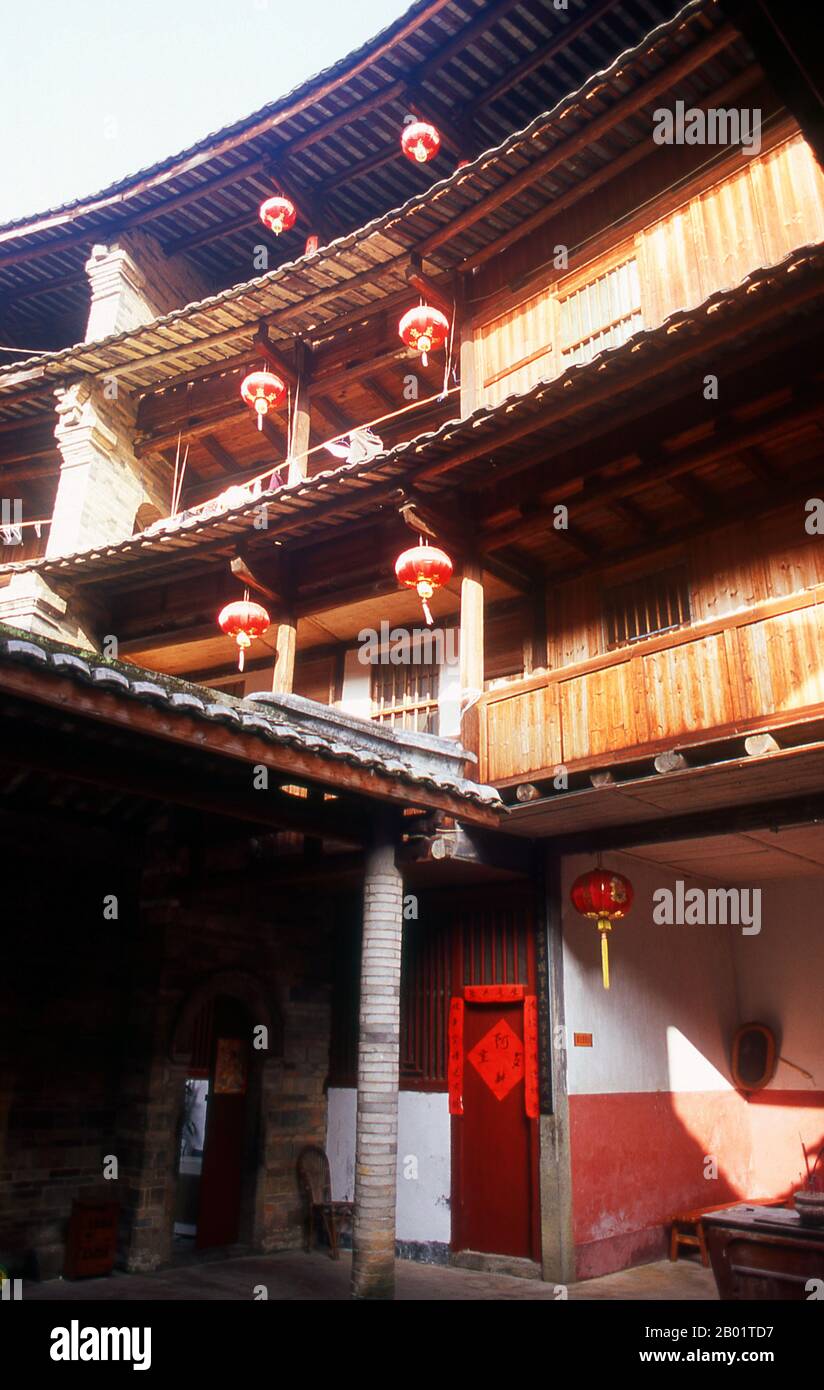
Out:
{"x": 315, "y": 1185}
{"x": 695, "y": 1233}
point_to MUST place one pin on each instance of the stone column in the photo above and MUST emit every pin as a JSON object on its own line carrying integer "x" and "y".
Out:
{"x": 134, "y": 282}
{"x": 376, "y": 1154}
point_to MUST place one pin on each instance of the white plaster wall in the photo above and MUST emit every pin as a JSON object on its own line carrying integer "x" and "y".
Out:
{"x": 340, "y": 1141}
{"x": 666, "y": 1021}
{"x": 781, "y": 977}
{"x": 423, "y": 1206}
{"x": 356, "y": 697}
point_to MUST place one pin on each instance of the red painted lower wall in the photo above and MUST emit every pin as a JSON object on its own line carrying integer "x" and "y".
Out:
{"x": 637, "y": 1157}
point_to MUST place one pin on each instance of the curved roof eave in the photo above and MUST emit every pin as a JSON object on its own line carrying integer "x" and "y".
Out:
{"x": 340, "y": 71}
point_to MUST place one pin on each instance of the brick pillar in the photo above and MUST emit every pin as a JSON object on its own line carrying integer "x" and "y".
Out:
{"x": 373, "y": 1232}
{"x": 100, "y": 488}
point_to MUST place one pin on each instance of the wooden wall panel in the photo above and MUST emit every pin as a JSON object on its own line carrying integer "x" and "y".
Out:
{"x": 575, "y": 623}
{"x": 505, "y": 632}
{"x": 752, "y": 668}
{"x": 516, "y": 348}
{"x": 314, "y": 677}
{"x": 753, "y": 218}
{"x": 598, "y": 712}
{"x": 523, "y": 733}
{"x": 746, "y": 563}
{"x": 688, "y": 688}
{"x": 783, "y": 659}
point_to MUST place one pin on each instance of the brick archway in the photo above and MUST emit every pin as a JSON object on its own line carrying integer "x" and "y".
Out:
{"x": 236, "y": 984}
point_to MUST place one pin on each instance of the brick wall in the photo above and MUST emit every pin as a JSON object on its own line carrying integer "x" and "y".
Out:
{"x": 93, "y": 1007}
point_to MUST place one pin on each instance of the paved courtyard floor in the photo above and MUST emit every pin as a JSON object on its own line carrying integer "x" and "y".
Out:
{"x": 293, "y": 1276}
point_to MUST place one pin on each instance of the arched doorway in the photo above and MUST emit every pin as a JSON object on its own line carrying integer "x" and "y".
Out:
{"x": 214, "y": 1129}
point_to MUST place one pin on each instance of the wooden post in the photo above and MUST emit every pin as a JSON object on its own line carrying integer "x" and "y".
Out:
{"x": 376, "y": 1153}
{"x": 283, "y": 676}
{"x": 555, "y": 1164}
{"x": 472, "y": 651}
{"x": 301, "y": 417}
{"x": 463, "y": 331}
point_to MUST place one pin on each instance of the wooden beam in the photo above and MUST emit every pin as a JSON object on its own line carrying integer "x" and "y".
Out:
{"x": 426, "y": 287}
{"x": 220, "y": 455}
{"x": 670, "y": 761}
{"x": 541, "y": 55}
{"x": 242, "y": 571}
{"x": 273, "y": 356}
{"x": 730, "y": 820}
{"x": 164, "y": 783}
{"x": 722, "y": 444}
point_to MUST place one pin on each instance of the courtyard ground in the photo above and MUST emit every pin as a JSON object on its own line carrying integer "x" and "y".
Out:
{"x": 293, "y": 1276}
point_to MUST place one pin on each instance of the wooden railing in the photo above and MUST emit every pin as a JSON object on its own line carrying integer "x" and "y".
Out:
{"x": 750, "y": 670}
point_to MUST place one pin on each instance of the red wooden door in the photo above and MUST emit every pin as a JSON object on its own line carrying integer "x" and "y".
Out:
{"x": 495, "y": 1204}
{"x": 495, "y": 1143}
{"x": 220, "y": 1183}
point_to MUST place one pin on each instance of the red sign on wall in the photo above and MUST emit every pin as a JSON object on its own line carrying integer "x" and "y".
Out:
{"x": 456, "y": 1059}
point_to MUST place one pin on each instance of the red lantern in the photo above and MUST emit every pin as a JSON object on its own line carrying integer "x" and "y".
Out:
{"x": 425, "y": 568}
{"x": 420, "y": 141}
{"x": 605, "y": 897}
{"x": 424, "y": 329}
{"x": 264, "y": 391}
{"x": 243, "y": 621}
{"x": 278, "y": 214}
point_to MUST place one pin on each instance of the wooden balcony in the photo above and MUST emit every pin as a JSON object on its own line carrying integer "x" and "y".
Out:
{"x": 755, "y": 669}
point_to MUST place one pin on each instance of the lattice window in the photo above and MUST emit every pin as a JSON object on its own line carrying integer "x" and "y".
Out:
{"x": 495, "y": 945}
{"x": 654, "y": 603}
{"x": 424, "y": 1006}
{"x": 406, "y": 697}
{"x": 602, "y": 314}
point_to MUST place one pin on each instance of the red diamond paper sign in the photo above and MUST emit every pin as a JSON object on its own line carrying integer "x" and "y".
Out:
{"x": 499, "y": 1059}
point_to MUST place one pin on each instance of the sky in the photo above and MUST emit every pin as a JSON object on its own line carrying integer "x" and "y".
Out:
{"x": 92, "y": 91}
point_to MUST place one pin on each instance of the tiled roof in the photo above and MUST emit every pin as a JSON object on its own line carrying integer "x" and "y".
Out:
{"x": 378, "y": 249}
{"x": 419, "y": 760}
{"x": 300, "y": 505}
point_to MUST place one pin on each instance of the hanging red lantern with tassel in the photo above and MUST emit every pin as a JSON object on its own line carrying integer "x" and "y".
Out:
{"x": 263, "y": 391}
{"x": 424, "y": 329}
{"x": 604, "y": 897}
{"x": 425, "y": 568}
{"x": 244, "y": 621}
{"x": 278, "y": 214}
{"x": 420, "y": 141}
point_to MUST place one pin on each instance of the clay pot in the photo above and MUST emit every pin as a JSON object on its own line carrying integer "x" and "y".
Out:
{"x": 810, "y": 1206}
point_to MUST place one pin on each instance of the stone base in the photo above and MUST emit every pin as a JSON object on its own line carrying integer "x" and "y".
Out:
{"x": 496, "y": 1264}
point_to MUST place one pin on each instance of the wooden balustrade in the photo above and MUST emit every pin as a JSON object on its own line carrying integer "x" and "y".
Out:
{"x": 753, "y": 669}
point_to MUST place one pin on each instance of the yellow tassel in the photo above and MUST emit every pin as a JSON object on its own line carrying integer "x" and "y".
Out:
{"x": 604, "y": 926}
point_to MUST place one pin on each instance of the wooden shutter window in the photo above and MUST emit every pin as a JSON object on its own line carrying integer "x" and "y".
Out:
{"x": 425, "y": 991}
{"x": 406, "y": 697}
{"x": 602, "y": 314}
{"x": 654, "y": 603}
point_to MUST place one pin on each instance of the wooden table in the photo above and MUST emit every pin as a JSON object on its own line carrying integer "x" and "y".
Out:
{"x": 764, "y": 1253}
